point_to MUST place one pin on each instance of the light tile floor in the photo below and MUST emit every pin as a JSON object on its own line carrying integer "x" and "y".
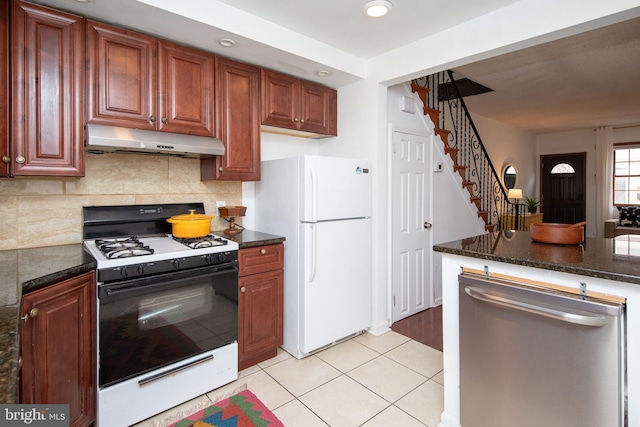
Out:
{"x": 369, "y": 381}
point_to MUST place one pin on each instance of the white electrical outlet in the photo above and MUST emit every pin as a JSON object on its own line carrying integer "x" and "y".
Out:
{"x": 221, "y": 203}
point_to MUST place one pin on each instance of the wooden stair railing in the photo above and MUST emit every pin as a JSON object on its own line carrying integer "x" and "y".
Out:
{"x": 434, "y": 115}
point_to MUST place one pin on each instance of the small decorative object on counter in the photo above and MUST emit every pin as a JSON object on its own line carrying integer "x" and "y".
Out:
{"x": 232, "y": 212}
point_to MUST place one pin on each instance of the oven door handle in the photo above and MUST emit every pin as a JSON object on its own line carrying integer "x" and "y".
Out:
{"x": 151, "y": 282}
{"x": 172, "y": 371}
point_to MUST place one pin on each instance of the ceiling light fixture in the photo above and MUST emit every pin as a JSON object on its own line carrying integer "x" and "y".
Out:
{"x": 323, "y": 73}
{"x": 377, "y": 8}
{"x": 227, "y": 42}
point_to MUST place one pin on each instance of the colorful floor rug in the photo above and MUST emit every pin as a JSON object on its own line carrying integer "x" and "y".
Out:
{"x": 240, "y": 410}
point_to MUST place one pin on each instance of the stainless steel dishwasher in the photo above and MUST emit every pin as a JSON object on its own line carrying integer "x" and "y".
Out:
{"x": 536, "y": 357}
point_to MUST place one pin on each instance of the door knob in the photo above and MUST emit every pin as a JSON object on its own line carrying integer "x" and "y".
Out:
{"x": 428, "y": 225}
{"x": 6, "y": 159}
{"x": 20, "y": 160}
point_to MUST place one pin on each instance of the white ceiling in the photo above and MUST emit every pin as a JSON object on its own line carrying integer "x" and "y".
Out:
{"x": 582, "y": 81}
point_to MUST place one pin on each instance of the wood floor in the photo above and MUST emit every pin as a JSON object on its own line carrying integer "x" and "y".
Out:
{"x": 424, "y": 327}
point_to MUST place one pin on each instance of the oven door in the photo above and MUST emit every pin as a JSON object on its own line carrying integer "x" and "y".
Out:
{"x": 152, "y": 322}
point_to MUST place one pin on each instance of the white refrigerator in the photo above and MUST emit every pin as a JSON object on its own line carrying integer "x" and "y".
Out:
{"x": 322, "y": 206}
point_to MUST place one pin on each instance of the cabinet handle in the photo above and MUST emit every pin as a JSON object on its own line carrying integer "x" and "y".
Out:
{"x": 243, "y": 289}
{"x": 163, "y": 120}
{"x": 152, "y": 119}
{"x": 32, "y": 313}
{"x": 263, "y": 251}
{"x": 20, "y": 160}
{"x": 6, "y": 159}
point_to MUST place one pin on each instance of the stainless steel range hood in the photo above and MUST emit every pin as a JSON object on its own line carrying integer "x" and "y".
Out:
{"x": 110, "y": 139}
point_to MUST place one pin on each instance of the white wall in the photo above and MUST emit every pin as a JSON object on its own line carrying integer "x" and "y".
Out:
{"x": 506, "y": 144}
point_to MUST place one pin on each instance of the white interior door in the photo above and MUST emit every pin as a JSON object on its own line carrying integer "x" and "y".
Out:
{"x": 411, "y": 229}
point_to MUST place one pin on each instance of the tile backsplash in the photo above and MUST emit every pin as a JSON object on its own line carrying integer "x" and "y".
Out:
{"x": 48, "y": 211}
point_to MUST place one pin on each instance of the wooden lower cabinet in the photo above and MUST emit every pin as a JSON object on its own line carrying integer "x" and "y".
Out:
{"x": 58, "y": 348}
{"x": 260, "y": 303}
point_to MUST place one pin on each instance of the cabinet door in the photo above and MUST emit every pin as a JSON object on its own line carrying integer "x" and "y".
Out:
{"x": 58, "y": 347}
{"x": 121, "y": 77}
{"x": 4, "y": 90}
{"x": 185, "y": 84}
{"x": 318, "y": 108}
{"x": 47, "y": 91}
{"x": 279, "y": 100}
{"x": 237, "y": 123}
{"x": 260, "y": 315}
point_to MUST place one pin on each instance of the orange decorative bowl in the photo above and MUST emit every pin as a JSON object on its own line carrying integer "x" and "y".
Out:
{"x": 560, "y": 234}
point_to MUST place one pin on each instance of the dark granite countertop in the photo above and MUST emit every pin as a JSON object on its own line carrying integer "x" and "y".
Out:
{"x": 24, "y": 271}
{"x": 611, "y": 259}
{"x": 251, "y": 239}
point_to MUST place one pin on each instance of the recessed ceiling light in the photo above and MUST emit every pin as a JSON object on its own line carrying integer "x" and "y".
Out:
{"x": 227, "y": 42}
{"x": 323, "y": 73}
{"x": 377, "y": 8}
{"x": 82, "y": 1}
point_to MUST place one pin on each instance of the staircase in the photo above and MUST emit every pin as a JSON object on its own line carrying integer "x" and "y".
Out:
{"x": 453, "y": 124}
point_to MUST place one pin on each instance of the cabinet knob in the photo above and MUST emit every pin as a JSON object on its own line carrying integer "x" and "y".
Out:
{"x": 32, "y": 313}
{"x": 220, "y": 168}
{"x": 263, "y": 251}
{"x": 163, "y": 120}
{"x": 152, "y": 119}
{"x": 6, "y": 159}
{"x": 295, "y": 120}
{"x": 20, "y": 160}
{"x": 243, "y": 289}
{"x": 302, "y": 121}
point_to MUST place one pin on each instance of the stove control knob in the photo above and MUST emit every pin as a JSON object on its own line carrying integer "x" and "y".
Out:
{"x": 124, "y": 271}
{"x": 176, "y": 263}
{"x": 221, "y": 256}
{"x": 141, "y": 268}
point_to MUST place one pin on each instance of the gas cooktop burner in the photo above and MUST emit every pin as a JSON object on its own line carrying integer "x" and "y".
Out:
{"x": 122, "y": 247}
{"x": 202, "y": 242}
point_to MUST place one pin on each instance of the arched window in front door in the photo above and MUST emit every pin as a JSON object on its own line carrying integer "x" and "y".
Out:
{"x": 563, "y": 168}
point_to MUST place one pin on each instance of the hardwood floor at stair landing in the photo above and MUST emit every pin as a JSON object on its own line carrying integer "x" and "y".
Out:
{"x": 424, "y": 327}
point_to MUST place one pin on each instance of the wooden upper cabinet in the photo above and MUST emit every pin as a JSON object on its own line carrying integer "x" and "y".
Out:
{"x": 186, "y": 91}
{"x": 121, "y": 77}
{"x": 279, "y": 100}
{"x": 4, "y": 90}
{"x": 237, "y": 123}
{"x": 47, "y": 60}
{"x": 138, "y": 81}
{"x": 291, "y": 103}
{"x": 318, "y": 109}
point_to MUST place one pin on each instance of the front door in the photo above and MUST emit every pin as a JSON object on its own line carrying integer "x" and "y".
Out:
{"x": 412, "y": 239}
{"x": 563, "y": 187}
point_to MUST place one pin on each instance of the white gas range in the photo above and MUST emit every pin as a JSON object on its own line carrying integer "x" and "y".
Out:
{"x": 167, "y": 310}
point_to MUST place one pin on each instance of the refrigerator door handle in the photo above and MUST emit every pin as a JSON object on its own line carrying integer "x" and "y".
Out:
{"x": 314, "y": 194}
{"x": 578, "y": 319}
{"x": 314, "y": 230}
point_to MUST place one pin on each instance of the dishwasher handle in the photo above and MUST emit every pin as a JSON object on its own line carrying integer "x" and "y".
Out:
{"x": 578, "y": 319}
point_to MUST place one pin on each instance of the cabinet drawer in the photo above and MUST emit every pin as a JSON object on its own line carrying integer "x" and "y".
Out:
{"x": 261, "y": 259}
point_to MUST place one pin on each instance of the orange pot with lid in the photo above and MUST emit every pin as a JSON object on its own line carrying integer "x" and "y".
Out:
{"x": 191, "y": 225}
